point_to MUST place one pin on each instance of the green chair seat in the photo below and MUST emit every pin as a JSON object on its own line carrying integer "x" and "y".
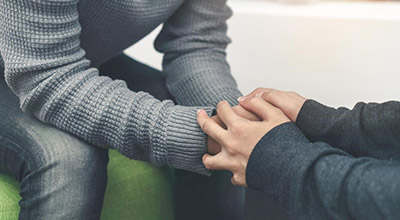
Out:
{"x": 135, "y": 190}
{"x": 9, "y": 197}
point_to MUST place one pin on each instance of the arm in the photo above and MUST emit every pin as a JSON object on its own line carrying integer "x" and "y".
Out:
{"x": 311, "y": 180}
{"x": 194, "y": 41}
{"x": 366, "y": 130}
{"x": 316, "y": 181}
{"x": 47, "y": 69}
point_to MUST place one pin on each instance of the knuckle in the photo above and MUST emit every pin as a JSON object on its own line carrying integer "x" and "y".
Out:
{"x": 220, "y": 105}
{"x": 267, "y": 96}
{"x": 273, "y": 92}
{"x": 208, "y": 164}
{"x": 237, "y": 109}
{"x": 236, "y": 127}
{"x": 253, "y": 100}
{"x": 230, "y": 147}
{"x": 206, "y": 126}
{"x": 271, "y": 95}
{"x": 259, "y": 89}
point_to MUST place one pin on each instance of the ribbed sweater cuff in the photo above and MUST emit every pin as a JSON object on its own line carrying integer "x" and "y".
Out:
{"x": 185, "y": 142}
{"x": 206, "y": 89}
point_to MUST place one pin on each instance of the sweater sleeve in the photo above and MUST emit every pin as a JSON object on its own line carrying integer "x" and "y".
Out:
{"x": 193, "y": 41}
{"x": 47, "y": 69}
{"x": 370, "y": 130}
{"x": 316, "y": 181}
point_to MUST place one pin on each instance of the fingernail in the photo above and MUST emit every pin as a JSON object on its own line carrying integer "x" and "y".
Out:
{"x": 198, "y": 111}
{"x": 240, "y": 99}
{"x": 259, "y": 94}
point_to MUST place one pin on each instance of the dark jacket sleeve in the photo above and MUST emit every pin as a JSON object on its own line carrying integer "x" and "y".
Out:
{"x": 370, "y": 130}
{"x": 317, "y": 181}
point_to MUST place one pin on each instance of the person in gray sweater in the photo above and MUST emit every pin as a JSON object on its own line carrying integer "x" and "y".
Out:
{"x": 318, "y": 162}
{"x": 51, "y": 52}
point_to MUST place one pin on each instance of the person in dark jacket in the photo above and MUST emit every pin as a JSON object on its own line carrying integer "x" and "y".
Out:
{"x": 318, "y": 162}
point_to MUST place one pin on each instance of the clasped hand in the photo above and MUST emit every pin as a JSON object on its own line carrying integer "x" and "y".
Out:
{"x": 234, "y": 131}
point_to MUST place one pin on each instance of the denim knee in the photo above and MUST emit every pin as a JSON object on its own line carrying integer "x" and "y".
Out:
{"x": 43, "y": 146}
{"x": 61, "y": 176}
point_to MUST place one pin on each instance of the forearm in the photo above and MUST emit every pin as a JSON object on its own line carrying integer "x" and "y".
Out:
{"x": 366, "y": 130}
{"x": 316, "y": 181}
{"x": 208, "y": 80}
{"x": 194, "y": 41}
{"x": 58, "y": 86}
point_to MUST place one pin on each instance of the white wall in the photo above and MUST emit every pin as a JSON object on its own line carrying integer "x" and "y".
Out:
{"x": 335, "y": 52}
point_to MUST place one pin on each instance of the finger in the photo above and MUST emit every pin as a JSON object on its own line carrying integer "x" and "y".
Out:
{"x": 233, "y": 181}
{"x": 253, "y": 93}
{"x": 240, "y": 111}
{"x": 261, "y": 108}
{"x": 216, "y": 162}
{"x": 213, "y": 147}
{"x": 219, "y": 122}
{"x": 289, "y": 102}
{"x": 210, "y": 127}
{"x": 273, "y": 97}
{"x": 226, "y": 113}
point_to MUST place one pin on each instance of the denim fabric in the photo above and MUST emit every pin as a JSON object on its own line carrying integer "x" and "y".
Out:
{"x": 62, "y": 177}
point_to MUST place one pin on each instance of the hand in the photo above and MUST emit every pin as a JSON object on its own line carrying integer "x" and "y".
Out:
{"x": 289, "y": 102}
{"x": 240, "y": 136}
{"x": 214, "y": 147}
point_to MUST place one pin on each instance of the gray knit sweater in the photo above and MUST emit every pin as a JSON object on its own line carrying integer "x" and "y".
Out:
{"x": 51, "y": 48}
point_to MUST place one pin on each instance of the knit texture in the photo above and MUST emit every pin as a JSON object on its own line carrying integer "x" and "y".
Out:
{"x": 51, "y": 49}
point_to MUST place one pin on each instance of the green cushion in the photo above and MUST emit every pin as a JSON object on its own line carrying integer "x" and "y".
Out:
{"x": 9, "y": 197}
{"x": 135, "y": 190}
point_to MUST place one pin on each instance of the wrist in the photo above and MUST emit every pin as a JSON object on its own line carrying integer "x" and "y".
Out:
{"x": 183, "y": 142}
{"x": 298, "y": 106}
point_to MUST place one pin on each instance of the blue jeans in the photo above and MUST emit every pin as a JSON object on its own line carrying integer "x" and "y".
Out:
{"x": 62, "y": 177}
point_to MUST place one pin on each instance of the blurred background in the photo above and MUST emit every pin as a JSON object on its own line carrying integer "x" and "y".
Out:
{"x": 337, "y": 52}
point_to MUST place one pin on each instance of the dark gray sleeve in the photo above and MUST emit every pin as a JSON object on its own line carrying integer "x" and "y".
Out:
{"x": 316, "y": 181}
{"x": 370, "y": 130}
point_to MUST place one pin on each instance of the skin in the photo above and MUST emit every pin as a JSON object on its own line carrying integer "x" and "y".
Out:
{"x": 237, "y": 135}
{"x": 289, "y": 102}
{"x": 213, "y": 147}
